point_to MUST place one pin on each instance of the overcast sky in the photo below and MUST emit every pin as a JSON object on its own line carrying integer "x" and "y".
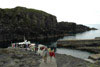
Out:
{"x": 79, "y": 11}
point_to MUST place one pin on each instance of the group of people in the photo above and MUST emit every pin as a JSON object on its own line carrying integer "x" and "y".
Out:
{"x": 41, "y": 50}
{"x": 16, "y": 45}
{"x": 47, "y": 52}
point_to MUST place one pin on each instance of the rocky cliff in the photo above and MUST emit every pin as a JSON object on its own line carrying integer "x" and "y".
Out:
{"x": 71, "y": 27}
{"x": 18, "y": 22}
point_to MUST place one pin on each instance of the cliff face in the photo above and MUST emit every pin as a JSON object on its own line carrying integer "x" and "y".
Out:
{"x": 18, "y": 22}
{"x": 70, "y": 27}
{"x": 67, "y": 27}
{"x": 82, "y": 28}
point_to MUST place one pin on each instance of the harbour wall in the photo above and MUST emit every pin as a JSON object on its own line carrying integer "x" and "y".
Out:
{"x": 91, "y": 45}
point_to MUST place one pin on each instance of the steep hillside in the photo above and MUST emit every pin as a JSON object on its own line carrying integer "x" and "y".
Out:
{"x": 20, "y": 21}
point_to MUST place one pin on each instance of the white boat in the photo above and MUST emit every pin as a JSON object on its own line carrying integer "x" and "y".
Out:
{"x": 21, "y": 44}
{"x": 25, "y": 42}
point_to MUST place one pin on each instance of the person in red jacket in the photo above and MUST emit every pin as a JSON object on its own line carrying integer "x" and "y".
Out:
{"x": 51, "y": 54}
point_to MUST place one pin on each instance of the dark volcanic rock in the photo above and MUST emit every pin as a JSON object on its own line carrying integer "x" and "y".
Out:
{"x": 21, "y": 22}
{"x": 94, "y": 29}
{"x": 82, "y": 28}
{"x": 67, "y": 27}
{"x": 71, "y": 27}
{"x": 18, "y": 58}
{"x": 18, "y": 22}
{"x": 69, "y": 61}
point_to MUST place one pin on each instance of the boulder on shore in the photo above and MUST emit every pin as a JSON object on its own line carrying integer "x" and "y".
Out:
{"x": 69, "y": 61}
{"x": 95, "y": 57}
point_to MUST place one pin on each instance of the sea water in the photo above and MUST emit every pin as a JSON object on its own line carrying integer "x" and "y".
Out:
{"x": 86, "y": 35}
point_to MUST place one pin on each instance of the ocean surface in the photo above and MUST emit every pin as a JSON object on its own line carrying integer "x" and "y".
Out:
{"x": 86, "y": 35}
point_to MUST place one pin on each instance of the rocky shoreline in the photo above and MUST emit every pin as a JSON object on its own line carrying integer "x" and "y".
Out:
{"x": 16, "y": 57}
{"x": 69, "y": 61}
{"x": 89, "y": 45}
{"x": 19, "y": 57}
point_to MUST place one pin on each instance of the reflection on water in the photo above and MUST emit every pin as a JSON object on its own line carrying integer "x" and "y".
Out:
{"x": 86, "y": 35}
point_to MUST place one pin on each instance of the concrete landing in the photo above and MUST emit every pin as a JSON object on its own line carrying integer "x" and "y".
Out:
{"x": 48, "y": 64}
